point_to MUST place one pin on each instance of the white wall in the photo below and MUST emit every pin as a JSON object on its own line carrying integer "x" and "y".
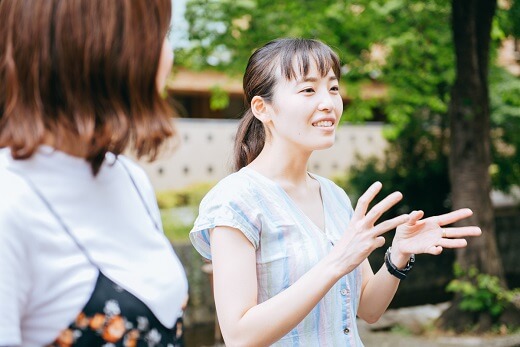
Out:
{"x": 205, "y": 152}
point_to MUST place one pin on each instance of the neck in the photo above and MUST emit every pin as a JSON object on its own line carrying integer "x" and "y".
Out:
{"x": 67, "y": 143}
{"x": 282, "y": 165}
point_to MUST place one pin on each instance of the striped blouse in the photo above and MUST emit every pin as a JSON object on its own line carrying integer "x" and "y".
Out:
{"x": 288, "y": 244}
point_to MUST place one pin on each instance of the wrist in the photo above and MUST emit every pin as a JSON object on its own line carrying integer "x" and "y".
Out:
{"x": 331, "y": 267}
{"x": 336, "y": 266}
{"x": 399, "y": 272}
{"x": 399, "y": 259}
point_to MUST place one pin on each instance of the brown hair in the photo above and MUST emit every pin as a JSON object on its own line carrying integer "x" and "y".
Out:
{"x": 84, "y": 69}
{"x": 260, "y": 79}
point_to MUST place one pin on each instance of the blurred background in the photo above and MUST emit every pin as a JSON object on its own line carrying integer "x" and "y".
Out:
{"x": 431, "y": 93}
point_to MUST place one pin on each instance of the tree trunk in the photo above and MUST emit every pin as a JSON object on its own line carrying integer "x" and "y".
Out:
{"x": 470, "y": 156}
{"x": 470, "y": 131}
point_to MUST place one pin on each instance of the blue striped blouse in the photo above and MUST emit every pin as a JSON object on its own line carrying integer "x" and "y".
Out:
{"x": 288, "y": 244}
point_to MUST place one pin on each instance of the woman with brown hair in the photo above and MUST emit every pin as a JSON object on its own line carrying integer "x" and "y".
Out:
{"x": 289, "y": 252}
{"x": 83, "y": 260}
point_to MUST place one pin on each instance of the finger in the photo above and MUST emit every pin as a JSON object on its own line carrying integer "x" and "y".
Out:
{"x": 414, "y": 218}
{"x": 380, "y": 241}
{"x": 390, "y": 224}
{"x": 452, "y": 217}
{"x": 453, "y": 243}
{"x": 384, "y": 205}
{"x": 456, "y": 233}
{"x": 434, "y": 250}
{"x": 365, "y": 200}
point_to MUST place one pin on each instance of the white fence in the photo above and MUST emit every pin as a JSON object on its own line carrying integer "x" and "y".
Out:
{"x": 205, "y": 152}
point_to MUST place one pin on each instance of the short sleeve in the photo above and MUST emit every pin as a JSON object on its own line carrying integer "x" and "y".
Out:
{"x": 230, "y": 204}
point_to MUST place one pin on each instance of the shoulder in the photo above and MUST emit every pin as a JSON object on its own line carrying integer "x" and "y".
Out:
{"x": 138, "y": 175}
{"x": 134, "y": 169}
{"x": 18, "y": 206}
{"x": 236, "y": 186}
{"x": 16, "y": 196}
{"x": 142, "y": 182}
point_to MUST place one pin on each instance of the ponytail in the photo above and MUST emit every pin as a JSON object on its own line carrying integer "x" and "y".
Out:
{"x": 249, "y": 141}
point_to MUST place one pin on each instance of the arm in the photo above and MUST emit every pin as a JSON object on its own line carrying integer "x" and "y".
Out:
{"x": 244, "y": 322}
{"x": 414, "y": 237}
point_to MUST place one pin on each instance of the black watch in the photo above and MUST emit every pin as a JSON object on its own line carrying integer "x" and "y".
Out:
{"x": 399, "y": 273}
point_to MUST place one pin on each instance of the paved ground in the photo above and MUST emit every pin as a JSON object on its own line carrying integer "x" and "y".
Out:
{"x": 387, "y": 339}
{"x": 384, "y": 339}
{"x": 415, "y": 319}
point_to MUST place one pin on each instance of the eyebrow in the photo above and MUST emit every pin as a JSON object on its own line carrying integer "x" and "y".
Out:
{"x": 314, "y": 79}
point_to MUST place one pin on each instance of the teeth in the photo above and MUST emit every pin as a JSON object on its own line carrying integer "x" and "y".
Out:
{"x": 323, "y": 123}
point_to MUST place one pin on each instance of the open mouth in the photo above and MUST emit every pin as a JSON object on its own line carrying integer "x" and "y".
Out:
{"x": 323, "y": 124}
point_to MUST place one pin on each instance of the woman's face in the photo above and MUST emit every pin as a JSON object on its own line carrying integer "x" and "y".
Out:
{"x": 165, "y": 64}
{"x": 306, "y": 110}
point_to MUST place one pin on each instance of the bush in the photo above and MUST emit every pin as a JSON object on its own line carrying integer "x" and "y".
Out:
{"x": 189, "y": 196}
{"x": 481, "y": 293}
{"x": 178, "y": 209}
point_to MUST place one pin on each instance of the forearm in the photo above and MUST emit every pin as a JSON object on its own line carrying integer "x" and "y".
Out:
{"x": 379, "y": 290}
{"x": 267, "y": 322}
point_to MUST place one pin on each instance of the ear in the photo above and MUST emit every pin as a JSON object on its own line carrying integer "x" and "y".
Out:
{"x": 260, "y": 109}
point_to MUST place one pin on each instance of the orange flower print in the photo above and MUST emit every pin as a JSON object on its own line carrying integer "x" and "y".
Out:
{"x": 97, "y": 321}
{"x": 82, "y": 321}
{"x": 66, "y": 338}
{"x": 131, "y": 338}
{"x": 114, "y": 330}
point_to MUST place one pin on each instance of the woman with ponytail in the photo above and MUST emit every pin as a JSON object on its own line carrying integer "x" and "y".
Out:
{"x": 289, "y": 252}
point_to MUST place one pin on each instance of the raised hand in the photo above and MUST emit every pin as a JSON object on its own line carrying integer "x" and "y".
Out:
{"x": 430, "y": 235}
{"x": 362, "y": 235}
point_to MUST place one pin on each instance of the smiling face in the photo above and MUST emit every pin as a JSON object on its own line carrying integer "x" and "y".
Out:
{"x": 305, "y": 110}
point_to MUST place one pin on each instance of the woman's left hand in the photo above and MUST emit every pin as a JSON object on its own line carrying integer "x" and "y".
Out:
{"x": 430, "y": 235}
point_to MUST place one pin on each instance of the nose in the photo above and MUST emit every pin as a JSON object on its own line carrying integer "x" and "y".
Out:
{"x": 326, "y": 103}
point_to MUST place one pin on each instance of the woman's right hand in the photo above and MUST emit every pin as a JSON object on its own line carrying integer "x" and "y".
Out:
{"x": 363, "y": 235}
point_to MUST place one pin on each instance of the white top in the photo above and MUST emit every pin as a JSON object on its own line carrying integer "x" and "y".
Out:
{"x": 45, "y": 279}
{"x": 288, "y": 244}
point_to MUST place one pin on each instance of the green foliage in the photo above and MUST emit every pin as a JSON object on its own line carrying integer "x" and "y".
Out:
{"x": 219, "y": 99}
{"x": 415, "y": 164}
{"x": 417, "y": 66}
{"x": 361, "y": 110}
{"x": 223, "y": 33}
{"x": 510, "y": 20}
{"x": 481, "y": 293}
{"x": 514, "y": 15}
{"x": 505, "y": 122}
{"x": 189, "y": 196}
{"x": 178, "y": 209}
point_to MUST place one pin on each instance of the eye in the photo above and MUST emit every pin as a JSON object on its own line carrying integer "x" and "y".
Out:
{"x": 307, "y": 90}
{"x": 335, "y": 89}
